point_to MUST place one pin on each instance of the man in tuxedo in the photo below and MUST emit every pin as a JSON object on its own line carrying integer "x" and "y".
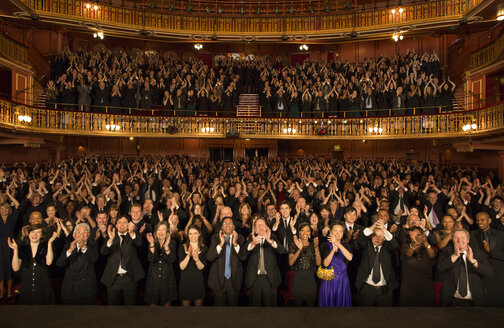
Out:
{"x": 400, "y": 204}
{"x": 491, "y": 243}
{"x": 123, "y": 269}
{"x": 434, "y": 209}
{"x": 78, "y": 258}
{"x": 368, "y": 102}
{"x": 263, "y": 276}
{"x": 376, "y": 279}
{"x": 226, "y": 273}
{"x": 352, "y": 232}
{"x": 463, "y": 269}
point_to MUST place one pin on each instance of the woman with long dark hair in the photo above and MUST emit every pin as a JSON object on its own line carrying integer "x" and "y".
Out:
{"x": 192, "y": 262}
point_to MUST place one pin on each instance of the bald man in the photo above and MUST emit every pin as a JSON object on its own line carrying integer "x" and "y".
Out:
{"x": 491, "y": 243}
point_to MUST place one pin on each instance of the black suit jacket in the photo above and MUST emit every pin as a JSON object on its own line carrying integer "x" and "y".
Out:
{"x": 270, "y": 262}
{"x": 131, "y": 261}
{"x": 496, "y": 255}
{"x": 216, "y": 277}
{"x": 451, "y": 274}
{"x": 80, "y": 277}
{"x": 368, "y": 258}
{"x": 285, "y": 233}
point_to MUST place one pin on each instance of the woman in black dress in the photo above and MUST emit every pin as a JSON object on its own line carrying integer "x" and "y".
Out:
{"x": 33, "y": 257}
{"x": 418, "y": 259}
{"x": 304, "y": 257}
{"x": 161, "y": 287}
{"x": 192, "y": 262}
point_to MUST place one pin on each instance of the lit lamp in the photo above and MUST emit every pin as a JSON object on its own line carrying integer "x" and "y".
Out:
{"x": 112, "y": 127}
{"x": 500, "y": 15}
{"x": 303, "y": 47}
{"x": 207, "y": 130}
{"x": 198, "y": 46}
{"x": 470, "y": 127}
{"x": 24, "y": 118}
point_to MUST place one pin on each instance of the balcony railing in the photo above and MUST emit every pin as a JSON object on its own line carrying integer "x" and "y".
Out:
{"x": 264, "y": 24}
{"x": 12, "y": 50}
{"x": 443, "y": 125}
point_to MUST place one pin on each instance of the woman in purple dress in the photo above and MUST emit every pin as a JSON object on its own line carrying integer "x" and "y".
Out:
{"x": 336, "y": 292}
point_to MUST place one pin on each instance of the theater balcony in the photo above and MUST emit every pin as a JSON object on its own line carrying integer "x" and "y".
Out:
{"x": 152, "y": 124}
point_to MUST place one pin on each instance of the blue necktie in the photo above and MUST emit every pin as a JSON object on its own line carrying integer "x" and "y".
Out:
{"x": 227, "y": 268}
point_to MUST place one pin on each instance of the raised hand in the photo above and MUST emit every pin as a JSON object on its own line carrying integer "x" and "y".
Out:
{"x": 53, "y": 238}
{"x": 316, "y": 242}
{"x": 298, "y": 242}
{"x": 73, "y": 245}
{"x": 142, "y": 229}
{"x": 111, "y": 232}
{"x": 131, "y": 227}
{"x": 12, "y": 243}
{"x": 268, "y": 235}
{"x": 470, "y": 254}
{"x": 235, "y": 238}
{"x": 222, "y": 238}
{"x": 150, "y": 238}
{"x": 486, "y": 246}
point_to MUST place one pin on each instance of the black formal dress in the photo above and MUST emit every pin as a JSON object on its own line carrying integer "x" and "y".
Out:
{"x": 79, "y": 282}
{"x": 192, "y": 286}
{"x": 225, "y": 289}
{"x": 304, "y": 285}
{"x": 161, "y": 287}
{"x": 7, "y": 231}
{"x": 123, "y": 269}
{"x": 494, "y": 284}
{"x": 35, "y": 286}
{"x": 262, "y": 284}
{"x": 417, "y": 284}
{"x": 452, "y": 274}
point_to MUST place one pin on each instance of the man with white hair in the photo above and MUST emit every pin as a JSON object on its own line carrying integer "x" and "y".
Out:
{"x": 79, "y": 257}
{"x": 463, "y": 270}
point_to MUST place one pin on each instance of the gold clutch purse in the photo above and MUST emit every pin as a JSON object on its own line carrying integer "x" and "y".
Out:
{"x": 325, "y": 273}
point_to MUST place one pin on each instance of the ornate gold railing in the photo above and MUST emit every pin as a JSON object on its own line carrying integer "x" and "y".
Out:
{"x": 489, "y": 120}
{"x": 489, "y": 53}
{"x": 12, "y": 50}
{"x": 259, "y": 24}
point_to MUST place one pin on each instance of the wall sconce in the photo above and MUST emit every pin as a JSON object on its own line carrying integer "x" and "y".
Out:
{"x": 500, "y": 15}
{"x": 207, "y": 130}
{"x": 98, "y": 34}
{"x": 112, "y": 127}
{"x": 375, "y": 130}
{"x": 198, "y": 46}
{"x": 470, "y": 127}
{"x": 397, "y": 37}
{"x": 303, "y": 47}
{"x": 24, "y": 118}
{"x": 289, "y": 131}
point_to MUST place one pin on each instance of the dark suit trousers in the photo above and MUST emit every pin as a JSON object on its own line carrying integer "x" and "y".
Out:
{"x": 125, "y": 286}
{"x": 85, "y": 300}
{"x": 261, "y": 292}
{"x": 227, "y": 296}
{"x": 375, "y": 296}
{"x": 460, "y": 303}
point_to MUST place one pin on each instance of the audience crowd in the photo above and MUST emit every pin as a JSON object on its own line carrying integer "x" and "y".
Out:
{"x": 99, "y": 79}
{"x": 306, "y": 232}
